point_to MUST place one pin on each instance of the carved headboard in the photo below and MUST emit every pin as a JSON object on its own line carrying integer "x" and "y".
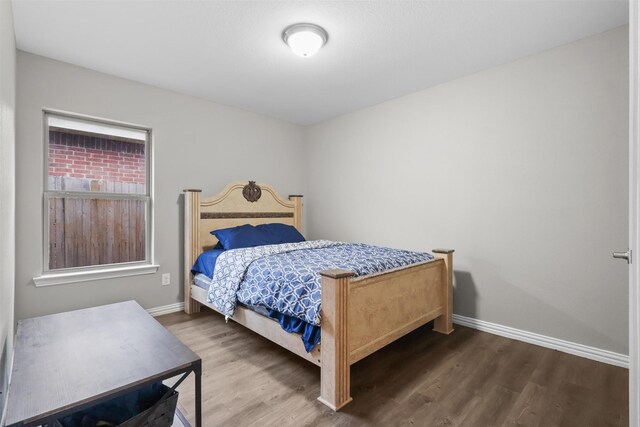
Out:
{"x": 239, "y": 203}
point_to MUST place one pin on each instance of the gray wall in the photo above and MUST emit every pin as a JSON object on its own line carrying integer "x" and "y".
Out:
{"x": 521, "y": 168}
{"x": 7, "y": 192}
{"x": 197, "y": 144}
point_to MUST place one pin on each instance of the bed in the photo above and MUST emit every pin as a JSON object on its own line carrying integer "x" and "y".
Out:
{"x": 359, "y": 315}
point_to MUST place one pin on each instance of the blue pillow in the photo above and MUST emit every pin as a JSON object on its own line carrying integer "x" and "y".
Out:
{"x": 206, "y": 262}
{"x": 248, "y": 236}
{"x": 282, "y": 233}
{"x": 244, "y": 236}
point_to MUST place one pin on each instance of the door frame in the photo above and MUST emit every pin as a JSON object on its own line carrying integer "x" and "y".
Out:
{"x": 634, "y": 214}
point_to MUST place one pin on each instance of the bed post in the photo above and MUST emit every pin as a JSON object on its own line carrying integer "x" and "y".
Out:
{"x": 297, "y": 211}
{"x": 191, "y": 244}
{"x": 443, "y": 324}
{"x": 335, "y": 375}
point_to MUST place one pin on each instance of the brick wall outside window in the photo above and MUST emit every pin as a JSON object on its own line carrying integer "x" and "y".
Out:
{"x": 95, "y": 160}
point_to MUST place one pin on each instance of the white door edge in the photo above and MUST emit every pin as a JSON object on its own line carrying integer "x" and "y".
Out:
{"x": 634, "y": 215}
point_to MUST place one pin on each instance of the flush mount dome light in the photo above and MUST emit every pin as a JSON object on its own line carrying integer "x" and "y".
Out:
{"x": 305, "y": 39}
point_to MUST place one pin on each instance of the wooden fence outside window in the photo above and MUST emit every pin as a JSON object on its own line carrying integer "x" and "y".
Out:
{"x": 86, "y": 232}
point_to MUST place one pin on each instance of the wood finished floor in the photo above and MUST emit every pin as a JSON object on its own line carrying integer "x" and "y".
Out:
{"x": 469, "y": 378}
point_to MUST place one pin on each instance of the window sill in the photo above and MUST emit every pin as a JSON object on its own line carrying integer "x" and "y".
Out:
{"x": 50, "y": 279}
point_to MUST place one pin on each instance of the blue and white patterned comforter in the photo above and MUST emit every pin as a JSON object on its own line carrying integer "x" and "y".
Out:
{"x": 285, "y": 277}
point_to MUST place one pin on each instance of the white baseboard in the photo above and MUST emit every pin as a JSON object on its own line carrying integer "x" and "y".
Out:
{"x": 166, "y": 309}
{"x": 576, "y": 349}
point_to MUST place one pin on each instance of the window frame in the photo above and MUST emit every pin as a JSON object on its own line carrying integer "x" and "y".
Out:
{"x": 85, "y": 273}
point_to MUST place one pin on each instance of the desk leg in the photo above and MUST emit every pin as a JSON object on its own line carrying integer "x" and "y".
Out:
{"x": 198, "y": 371}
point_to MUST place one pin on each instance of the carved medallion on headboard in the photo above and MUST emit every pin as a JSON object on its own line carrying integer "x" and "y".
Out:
{"x": 252, "y": 192}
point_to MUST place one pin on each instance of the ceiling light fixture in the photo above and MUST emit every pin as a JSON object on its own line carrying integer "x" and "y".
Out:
{"x": 305, "y": 39}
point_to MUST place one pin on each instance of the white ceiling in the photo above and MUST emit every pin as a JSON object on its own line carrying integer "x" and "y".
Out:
{"x": 231, "y": 52}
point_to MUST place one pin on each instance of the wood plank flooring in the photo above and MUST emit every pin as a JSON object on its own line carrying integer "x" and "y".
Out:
{"x": 469, "y": 378}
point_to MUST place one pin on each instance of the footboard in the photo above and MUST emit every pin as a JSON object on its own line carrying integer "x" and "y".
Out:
{"x": 362, "y": 315}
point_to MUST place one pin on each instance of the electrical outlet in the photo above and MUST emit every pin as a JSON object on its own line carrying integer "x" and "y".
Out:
{"x": 166, "y": 279}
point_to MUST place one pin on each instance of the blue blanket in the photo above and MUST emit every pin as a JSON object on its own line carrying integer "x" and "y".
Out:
{"x": 206, "y": 262}
{"x": 232, "y": 265}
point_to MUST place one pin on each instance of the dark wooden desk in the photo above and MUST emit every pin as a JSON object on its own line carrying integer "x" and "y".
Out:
{"x": 70, "y": 361}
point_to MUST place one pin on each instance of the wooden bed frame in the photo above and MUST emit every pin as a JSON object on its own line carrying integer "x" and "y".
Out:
{"x": 359, "y": 314}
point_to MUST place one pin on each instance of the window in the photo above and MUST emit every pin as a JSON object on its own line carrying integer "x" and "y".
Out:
{"x": 97, "y": 198}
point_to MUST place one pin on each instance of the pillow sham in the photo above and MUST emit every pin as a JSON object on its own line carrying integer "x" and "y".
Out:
{"x": 282, "y": 233}
{"x": 247, "y": 236}
{"x": 243, "y": 236}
